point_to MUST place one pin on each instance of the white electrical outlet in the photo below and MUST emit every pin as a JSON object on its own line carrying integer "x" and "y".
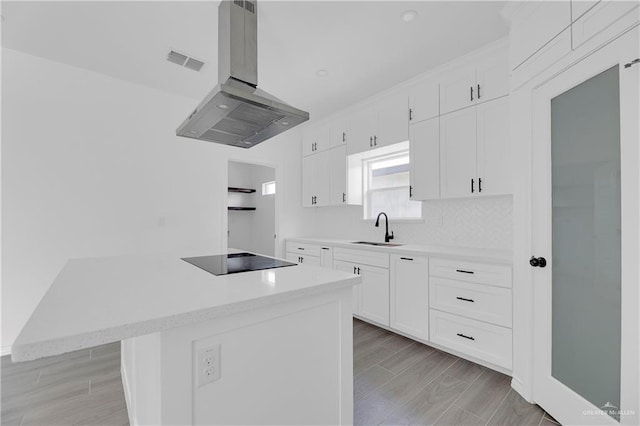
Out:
{"x": 208, "y": 365}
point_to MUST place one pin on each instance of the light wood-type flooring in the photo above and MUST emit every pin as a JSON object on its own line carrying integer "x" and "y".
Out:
{"x": 396, "y": 381}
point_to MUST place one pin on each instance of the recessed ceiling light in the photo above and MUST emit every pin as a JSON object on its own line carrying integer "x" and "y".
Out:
{"x": 409, "y": 15}
{"x": 222, "y": 106}
{"x": 322, "y": 73}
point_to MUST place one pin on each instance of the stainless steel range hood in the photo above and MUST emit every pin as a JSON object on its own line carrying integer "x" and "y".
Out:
{"x": 236, "y": 112}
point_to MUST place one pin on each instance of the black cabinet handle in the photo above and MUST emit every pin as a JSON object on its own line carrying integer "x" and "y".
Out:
{"x": 358, "y": 270}
{"x": 344, "y": 197}
{"x": 301, "y": 259}
{"x": 472, "y": 186}
{"x": 354, "y": 269}
{"x": 479, "y": 184}
{"x": 375, "y": 141}
{"x": 471, "y": 92}
{"x": 406, "y": 258}
{"x": 300, "y": 248}
{"x": 462, "y": 271}
{"x": 410, "y": 114}
{"x": 465, "y": 299}
{"x": 478, "y": 91}
{"x": 410, "y": 191}
{"x": 325, "y": 248}
{"x": 538, "y": 262}
{"x": 344, "y": 136}
{"x": 466, "y": 337}
{"x": 370, "y": 140}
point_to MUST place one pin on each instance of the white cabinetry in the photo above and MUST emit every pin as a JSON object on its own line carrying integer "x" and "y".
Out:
{"x": 309, "y": 254}
{"x": 337, "y": 175}
{"x": 315, "y": 140}
{"x": 483, "y": 81}
{"x": 371, "y": 298}
{"x": 474, "y": 151}
{"x": 384, "y": 123}
{"x": 316, "y": 185}
{"x": 601, "y": 18}
{"x": 471, "y": 309}
{"x": 424, "y": 101}
{"x": 409, "y": 295}
{"x": 424, "y": 143}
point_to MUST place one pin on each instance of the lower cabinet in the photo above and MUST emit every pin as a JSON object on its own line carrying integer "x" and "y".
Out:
{"x": 309, "y": 254}
{"x": 303, "y": 258}
{"x": 409, "y": 295}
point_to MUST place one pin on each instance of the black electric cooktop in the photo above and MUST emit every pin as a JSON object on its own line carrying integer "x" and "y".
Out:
{"x": 225, "y": 264}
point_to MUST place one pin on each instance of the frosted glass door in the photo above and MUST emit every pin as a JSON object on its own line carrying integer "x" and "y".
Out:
{"x": 586, "y": 236}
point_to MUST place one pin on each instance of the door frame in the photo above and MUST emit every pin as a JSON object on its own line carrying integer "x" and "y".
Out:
{"x": 563, "y": 403}
{"x": 278, "y": 252}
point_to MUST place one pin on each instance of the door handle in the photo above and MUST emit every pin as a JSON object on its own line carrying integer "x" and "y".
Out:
{"x": 472, "y": 186}
{"x": 410, "y": 191}
{"x": 471, "y": 92}
{"x": 375, "y": 141}
{"x": 370, "y": 140}
{"x": 478, "y": 91}
{"x": 344, "y": 197}
{"x": 358, "y": 270}
{"x": 540, "y": 262}
{"x": 479, "y": 180}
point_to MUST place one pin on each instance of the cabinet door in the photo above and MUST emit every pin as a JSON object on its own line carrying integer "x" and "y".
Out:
{"x": 458, "y": 154}
{"x": 424, "y": 101}
{"x": 323, "y": 181}
{"x": 338, "y": 172}
{"x": 409, "y": 295}
{"x": 315, "y": 140}
{"x": 393, "y": 120}
{"x": 348, "y": 267}
{"x": 375, "y": 294}
{"x": 337, "y": 133}
{"x": 309, "y": 260}
{"x": 309, "y": 180}
{"x": 492, "y": 77}
{"x": 326, "y": 257}
{"x": 494, "y": 149}
{"x": 424, "y": 138}
{"x": 457, "y": 89}
{"x": 361, "y": 130}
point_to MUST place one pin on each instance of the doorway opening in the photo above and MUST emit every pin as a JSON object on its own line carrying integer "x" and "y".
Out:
{"x": 251, "y": 216}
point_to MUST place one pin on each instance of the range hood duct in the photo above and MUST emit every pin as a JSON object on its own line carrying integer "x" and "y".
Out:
{"x": 236, "y": 112}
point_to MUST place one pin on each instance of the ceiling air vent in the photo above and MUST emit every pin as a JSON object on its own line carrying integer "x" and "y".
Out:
{"x": 185, "y": 60}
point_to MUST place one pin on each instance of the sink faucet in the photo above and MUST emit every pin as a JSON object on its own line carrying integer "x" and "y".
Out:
{"x": 387, "y": 237}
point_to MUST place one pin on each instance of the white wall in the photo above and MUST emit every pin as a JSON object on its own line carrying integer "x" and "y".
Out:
{"x": 251, "y": 230}
{"x": 91, "y": 166}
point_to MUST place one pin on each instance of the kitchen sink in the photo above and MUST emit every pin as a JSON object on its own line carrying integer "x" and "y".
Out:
{"x": 371, "y": 243}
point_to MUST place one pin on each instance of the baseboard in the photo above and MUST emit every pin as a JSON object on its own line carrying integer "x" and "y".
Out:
{"x": 519, "y": 387}
{"x": 127, "y": 396}
{"x": 6, "y": 350}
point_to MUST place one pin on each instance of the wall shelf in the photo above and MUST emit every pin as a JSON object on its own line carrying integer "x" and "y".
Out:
{"x": 241, "y": 190}
{"x": 241, "y": 208}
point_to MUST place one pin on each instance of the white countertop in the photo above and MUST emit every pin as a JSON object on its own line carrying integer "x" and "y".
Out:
{"x": 101, "y": 300}
{"x": 474, "y": 254}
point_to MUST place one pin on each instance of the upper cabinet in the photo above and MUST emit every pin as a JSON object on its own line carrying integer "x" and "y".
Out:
{"x": 316, "y": 185}
{"x": 424, "y": 146}
{"x": 424, "y": 101}
{"x": 315, "y": 140}
{"x": 482, "y": 81}
{"x": 338, "y": 133}
{"x": 474, "y": 151}
{"x": 383, "y": 123}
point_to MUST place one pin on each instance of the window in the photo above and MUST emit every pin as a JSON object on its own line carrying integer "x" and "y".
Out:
{"x": 386, "y": 185}
{"x": 269, "y": 188}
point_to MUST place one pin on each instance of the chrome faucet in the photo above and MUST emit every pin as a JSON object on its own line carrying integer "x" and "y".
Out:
{"x": 387, "y": 237}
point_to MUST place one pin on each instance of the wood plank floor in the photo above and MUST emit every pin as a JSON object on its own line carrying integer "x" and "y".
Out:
{"x": 401, "y": 382}
{"x": 396, "y": 382}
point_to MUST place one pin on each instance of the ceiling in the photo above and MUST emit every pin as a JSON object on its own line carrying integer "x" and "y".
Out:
{"x": 364, "y": 45}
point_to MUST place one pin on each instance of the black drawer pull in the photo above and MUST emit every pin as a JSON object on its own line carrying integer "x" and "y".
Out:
{"x": 466, "y": 337}
{"x": 462, "y": 271}
{"x": 406, "y": 258}
{"x": 464, "y": 299}
{"x": 300, "y": 248}
{"x": 326, "y": 248}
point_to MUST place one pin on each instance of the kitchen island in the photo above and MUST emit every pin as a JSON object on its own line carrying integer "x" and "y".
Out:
{"x": 272, "y": 346}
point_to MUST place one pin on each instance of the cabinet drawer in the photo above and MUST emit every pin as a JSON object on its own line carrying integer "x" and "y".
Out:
{"x": 483, "y": 273}
{"x": 303, "y": 248}
{"x": 363, "y": 257}
{"x": 477, "y": 301}
{"x": 303, "y": 259}
{"x": 487, "y": 342}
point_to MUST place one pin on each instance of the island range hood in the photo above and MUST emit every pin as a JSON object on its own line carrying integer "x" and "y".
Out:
{"x": 236, "y": 112}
